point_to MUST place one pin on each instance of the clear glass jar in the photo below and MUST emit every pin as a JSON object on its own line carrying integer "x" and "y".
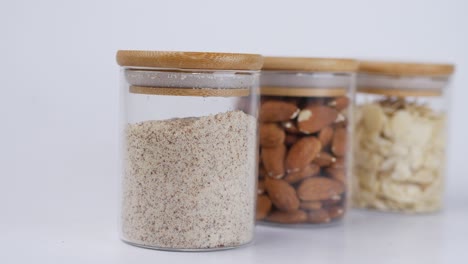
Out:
{"x": 400, "y": 142}
{"x": 189, "y": 149}
{"x": 304, "y": 132}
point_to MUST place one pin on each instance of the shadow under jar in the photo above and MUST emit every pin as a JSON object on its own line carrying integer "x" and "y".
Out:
{"x": 189, "y": 149}
{"x": 400, "y": 142}
{"x": 304, "y": 131}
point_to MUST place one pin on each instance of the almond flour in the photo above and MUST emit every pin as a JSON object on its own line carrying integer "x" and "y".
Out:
{"x": 190, "y": 183}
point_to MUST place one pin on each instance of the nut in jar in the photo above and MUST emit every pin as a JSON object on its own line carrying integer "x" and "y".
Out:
{"x": 399, "y": 139}
{"x": 304, "y": 140}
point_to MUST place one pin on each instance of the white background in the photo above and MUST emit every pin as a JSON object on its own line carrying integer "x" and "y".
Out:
{"x": 59, "y": 115}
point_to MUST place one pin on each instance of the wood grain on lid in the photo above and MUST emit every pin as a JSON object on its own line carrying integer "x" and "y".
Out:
{"x": 189, "y": 60}
{"x": 310, "y": 64}
{"x": 406, "y": 69}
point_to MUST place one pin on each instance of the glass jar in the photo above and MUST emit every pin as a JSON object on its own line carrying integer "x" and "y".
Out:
{"x": 400, "y": 127}
{"x": 189, "y": 149}
{"x": 304, "y": 131}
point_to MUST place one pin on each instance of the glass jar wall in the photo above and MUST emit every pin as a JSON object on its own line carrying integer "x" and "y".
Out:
{"x": 400, "y": 136}
{"x": 189, "y": 149}
{"x": 304, "y": 148}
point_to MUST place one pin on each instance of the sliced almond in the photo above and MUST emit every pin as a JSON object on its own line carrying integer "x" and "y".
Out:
{"x": 312, "y": 119}
{"x": 373, "y": 118}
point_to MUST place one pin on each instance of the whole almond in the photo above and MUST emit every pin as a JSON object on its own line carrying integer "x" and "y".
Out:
{"x": 311, "y": 205}
{"x": 296, "y": 176}
{"x": 273, "y": 161}
{"x": 290, "y": 127}
{"x": 302, "y": 153}
{"x": 271, "y": 135}
{"x": 335, "y": 212}
{"x": 319, "y": 188}
{"x": 337, "y": 174}
{"x": 318, "y": 216}
{"x": 261, "y": 171}
{"x": 324, "y": 159}
{"x": 312, "y": 119}
{"x": 261, "y": 187}
{"x": 326, "y": 135}
{"x": 341, "y": 124}
{"x": 290, "y": 139}
{"x": 293, "y": 217}
{"x": 332, "y": 202}
{"x": 338, "y": 164}
{"x": 339, "y": 103}
{"x": 277, "y": 111}
{"x": 339, "y": 142}
{"x": 281, "y": 194}
{"x": 315, "y": 101}
{"x": 263, "y": 206}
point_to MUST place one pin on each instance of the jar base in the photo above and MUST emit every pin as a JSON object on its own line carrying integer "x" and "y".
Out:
{"x": 185, "y": 249}
{"x": 396, "y": 212}
{"x": 332, "y": 223}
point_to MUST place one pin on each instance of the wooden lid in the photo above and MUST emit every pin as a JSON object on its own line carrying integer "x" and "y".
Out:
{"x": 309, "y": 64}
{"x": 189, "y": 60}
{"x": 406, "y": 69}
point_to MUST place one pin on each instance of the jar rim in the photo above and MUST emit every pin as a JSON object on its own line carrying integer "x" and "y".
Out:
{"x": 309, "y": 64}
{"x": 401, "y": 86}
{"x": 406, "y": 68}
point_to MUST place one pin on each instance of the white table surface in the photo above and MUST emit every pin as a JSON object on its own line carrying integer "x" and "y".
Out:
{"x": 365, "y": 237}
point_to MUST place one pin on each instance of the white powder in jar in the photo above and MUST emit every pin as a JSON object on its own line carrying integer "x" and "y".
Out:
{"x": 190, "y": 183}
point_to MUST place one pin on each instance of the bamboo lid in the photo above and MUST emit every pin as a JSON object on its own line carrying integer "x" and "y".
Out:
{"x": 189, "y": 60}
{"x": 309, "y": 64}
{"x": 406, "y": 69}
